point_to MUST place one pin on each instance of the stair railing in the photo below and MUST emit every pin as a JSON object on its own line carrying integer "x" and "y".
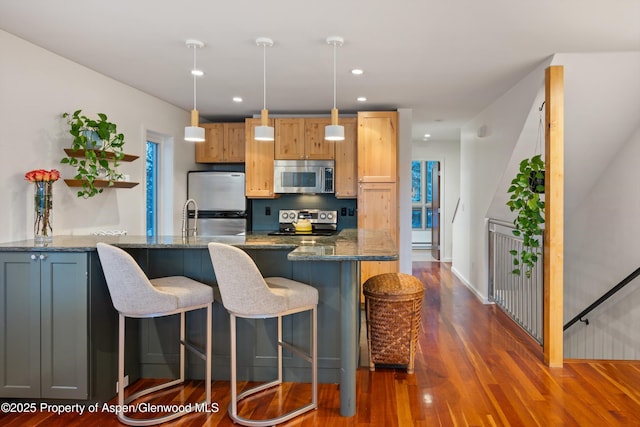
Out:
{"x": 579, "y": 317}
{"x": 520, "y": 297}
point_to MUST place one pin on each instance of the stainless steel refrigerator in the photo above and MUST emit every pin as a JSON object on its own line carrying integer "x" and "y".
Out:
{"x": 222, "y": 206}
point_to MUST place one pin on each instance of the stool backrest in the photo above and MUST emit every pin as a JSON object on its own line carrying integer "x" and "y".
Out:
{"x": 131, "y": 291}
{"x": 242, "y": 287}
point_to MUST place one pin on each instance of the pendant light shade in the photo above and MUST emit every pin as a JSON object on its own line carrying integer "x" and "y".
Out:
{"x": 194, "y": 133}
{"x": 264, "y": 132}
{"x": 334, "y": 132}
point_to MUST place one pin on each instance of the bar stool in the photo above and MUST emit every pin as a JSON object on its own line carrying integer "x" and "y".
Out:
{"x": 134, "y": 295}
{"x": 246, "y": 294}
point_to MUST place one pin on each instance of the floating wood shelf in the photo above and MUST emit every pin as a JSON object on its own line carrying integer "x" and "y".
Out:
{"x": 101, "y": 183}
{"x": 109, "y": 154}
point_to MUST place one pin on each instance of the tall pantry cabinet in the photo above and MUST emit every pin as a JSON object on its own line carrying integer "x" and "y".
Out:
{"x": 378, "y": 181}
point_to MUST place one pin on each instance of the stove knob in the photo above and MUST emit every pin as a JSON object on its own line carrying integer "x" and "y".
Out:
{"x": 323, "y": 215}
{"x": 329, "y": 216}
{"x": 285, "y": 215}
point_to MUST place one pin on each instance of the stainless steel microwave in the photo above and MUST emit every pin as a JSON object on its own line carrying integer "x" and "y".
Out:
{"x": 303, "y": 176}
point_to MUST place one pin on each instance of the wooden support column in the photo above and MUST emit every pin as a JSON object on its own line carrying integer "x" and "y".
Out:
{"x": 554, "y": 217}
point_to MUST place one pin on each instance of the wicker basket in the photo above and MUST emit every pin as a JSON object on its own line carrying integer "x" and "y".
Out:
{"x": 393, "y": 302}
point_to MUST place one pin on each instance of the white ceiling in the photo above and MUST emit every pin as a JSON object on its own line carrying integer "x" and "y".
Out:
{"x": 445, "y": 60}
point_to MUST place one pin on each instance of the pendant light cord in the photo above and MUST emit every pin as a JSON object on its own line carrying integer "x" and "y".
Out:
{"x": 194, "y": 76}
{"x": 264, "y": 76}
{"x": 334, "y": 75}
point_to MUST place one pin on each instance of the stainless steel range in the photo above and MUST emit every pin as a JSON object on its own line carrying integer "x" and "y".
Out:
{"x": 323, "y": 223}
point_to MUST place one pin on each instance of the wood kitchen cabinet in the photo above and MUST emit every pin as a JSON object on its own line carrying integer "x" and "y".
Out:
{"x": 378, "y": 210}
{"x": 259, "y": 156}
{"x": 43, "y": 341}
{"x": 377, "y": 181}
{"x": 346, "y": 167}
{"x": 224, "y": 143}
{"x": 315, "y": 146}
{"x": 302, "y": 139}
{"x": 377, "y": 146}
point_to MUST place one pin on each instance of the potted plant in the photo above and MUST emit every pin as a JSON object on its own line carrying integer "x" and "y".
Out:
{"x": 526, "y": 200}
{"x": 96, "y": 151}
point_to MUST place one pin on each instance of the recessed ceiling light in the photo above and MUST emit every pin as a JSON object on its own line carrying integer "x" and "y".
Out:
{"x": 198, "y": 73}
{"x": 237, "y": 99}
{"x": 426, "y": 136}
{"x": 357, "y": 72}
{"x": 361, "y": 99}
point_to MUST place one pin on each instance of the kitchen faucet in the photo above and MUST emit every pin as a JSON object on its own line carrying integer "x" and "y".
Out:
{"x": 185, "y": 219}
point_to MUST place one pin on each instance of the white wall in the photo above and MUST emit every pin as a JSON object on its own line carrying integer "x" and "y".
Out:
{"x": 405, "y": 118}
{"x": 36, "y": 87}
{"x": 602, "y": 146}
{"x": 483, "y": 162}
{"x": 601, "y": 249}
{"x": 448, "y": 154}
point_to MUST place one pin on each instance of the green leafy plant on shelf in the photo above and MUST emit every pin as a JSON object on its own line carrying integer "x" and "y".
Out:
{"x": 102, "y": 146}
{"x": 526, "y": 189}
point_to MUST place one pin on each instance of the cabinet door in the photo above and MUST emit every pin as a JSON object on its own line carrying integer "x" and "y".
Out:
{"x": 64, "y": 342}
{"x": 289, "y": 139}
{"x": 346, "y": 184}
{"x": 234, "y": 142}
{"x": 20, "y": 331}
{"x": 315, "y": 146}
{"x": 259, "y": 163}
{"x": 211, "y": 149}
{"x": 378, "y": 210}
{"x": 377, "y": 146}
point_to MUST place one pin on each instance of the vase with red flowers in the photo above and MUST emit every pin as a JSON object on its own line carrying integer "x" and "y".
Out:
{"x": 42, "y": 202}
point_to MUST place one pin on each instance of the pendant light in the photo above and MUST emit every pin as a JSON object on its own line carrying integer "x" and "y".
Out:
{"x": 334, "y": 132}
{"x": 264, "y": 132}
{"x": 194, "y": 133}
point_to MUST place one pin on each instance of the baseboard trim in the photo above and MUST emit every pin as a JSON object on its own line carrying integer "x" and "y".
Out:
{"x": 473, "y": 290}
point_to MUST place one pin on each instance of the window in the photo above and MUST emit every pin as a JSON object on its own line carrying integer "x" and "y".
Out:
{"x": 152, "y": 188}
{"x": 421, "y": 194}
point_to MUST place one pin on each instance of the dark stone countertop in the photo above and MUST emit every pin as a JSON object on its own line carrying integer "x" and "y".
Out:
{"x": 347, "y": 245}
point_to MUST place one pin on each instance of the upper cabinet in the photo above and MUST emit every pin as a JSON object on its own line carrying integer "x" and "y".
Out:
{"x": 224, "y": 143}
{"x": 258, "y": 163}
{"x": 302, "y": 139}
{"x": 377, "y": 146}
{"x": 315, "y": 146}
{"x": 346, "y": 184}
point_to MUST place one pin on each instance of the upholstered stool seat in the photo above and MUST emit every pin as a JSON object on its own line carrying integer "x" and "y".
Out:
{"x": 246, "y": 294}
{"x": 134, "y": 295}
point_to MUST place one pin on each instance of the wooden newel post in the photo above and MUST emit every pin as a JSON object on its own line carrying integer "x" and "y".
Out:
{"x": 554, "y": 214}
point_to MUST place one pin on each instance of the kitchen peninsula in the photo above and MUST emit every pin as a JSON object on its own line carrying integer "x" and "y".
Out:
{"x": 62, "y": 330}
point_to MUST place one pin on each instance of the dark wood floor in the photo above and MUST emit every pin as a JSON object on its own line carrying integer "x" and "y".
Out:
{"x": 473, "y": 368}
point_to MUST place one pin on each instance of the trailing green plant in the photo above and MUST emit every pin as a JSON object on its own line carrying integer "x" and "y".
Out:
{"x": 103, "y": 149}
{"x": 526, "y": 201}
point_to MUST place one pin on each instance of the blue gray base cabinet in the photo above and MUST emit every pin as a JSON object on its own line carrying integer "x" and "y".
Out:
{"x": 256, "y": 342}
{"x": 46, "y": 316}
